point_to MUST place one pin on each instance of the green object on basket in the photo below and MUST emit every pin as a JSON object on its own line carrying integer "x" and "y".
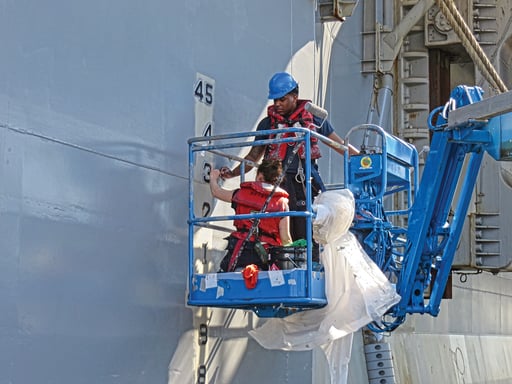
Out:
{"x": 299, "y": 243}
{"x": 261, "y": 252}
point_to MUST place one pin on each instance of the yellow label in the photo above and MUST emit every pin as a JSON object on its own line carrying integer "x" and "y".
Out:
{"x": 366, "y": 162}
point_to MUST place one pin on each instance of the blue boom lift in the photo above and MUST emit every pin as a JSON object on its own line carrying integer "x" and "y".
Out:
{"x": 417, "y": 255}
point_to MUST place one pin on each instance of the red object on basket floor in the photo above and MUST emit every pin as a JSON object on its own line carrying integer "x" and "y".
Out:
{"x": 250, "y": 274}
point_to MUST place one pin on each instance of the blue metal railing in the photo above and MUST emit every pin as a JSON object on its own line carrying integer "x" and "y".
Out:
{"x": 220, "y": 145}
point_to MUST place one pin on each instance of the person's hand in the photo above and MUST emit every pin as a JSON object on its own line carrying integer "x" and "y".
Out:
{"x": 226, "y": 173}
{"x": 214, "y": 175}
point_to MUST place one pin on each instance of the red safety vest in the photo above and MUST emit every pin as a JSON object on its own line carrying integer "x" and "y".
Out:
{"x": 300, "y": 116}
{"x": 250, "y": 198}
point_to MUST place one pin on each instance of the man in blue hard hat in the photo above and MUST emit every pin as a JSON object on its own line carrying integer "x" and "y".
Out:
{"x": 289, "y": 111}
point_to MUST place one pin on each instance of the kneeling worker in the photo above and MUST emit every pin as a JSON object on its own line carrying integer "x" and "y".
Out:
{"x": 250, "y": 198}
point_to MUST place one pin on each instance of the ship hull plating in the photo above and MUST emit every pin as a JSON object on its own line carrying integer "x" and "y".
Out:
{"x": 97, "y": 101}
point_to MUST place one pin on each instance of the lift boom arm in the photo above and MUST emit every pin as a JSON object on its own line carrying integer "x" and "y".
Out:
{"x": 466, "y": 127}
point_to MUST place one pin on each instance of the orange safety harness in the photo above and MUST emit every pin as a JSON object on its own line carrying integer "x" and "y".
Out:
{"x": 304, "y": 120}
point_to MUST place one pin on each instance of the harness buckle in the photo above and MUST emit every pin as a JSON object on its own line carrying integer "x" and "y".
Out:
{"x": 299, "y": 176}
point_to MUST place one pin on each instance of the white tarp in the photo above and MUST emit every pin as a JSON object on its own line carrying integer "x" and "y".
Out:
{"x": 356, "y": 289}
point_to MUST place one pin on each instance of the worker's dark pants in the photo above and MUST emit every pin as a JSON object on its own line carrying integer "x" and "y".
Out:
{"x": 246, "y": 256}
{"x": 297, "y": 202}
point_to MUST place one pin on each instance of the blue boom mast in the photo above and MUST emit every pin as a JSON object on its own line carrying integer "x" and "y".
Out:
{"x": 418, "y": 258}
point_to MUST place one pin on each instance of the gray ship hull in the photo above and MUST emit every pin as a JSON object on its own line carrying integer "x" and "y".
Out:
{"x": 97, "y": 101}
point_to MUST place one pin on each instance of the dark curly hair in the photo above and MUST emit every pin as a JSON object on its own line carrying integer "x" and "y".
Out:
{"x": 270, "y": 169}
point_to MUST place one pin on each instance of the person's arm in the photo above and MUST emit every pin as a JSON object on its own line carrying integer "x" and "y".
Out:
{"x": 217, "y": 191}
{"x": 254, "y": 155}
{"x": 326, "y": 129}
{"x": 284, "y": 224}
{"x": 351, "y": 149}
{"x": 284, "y": 231}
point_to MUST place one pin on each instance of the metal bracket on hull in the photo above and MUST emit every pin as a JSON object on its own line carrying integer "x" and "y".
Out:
{"x": 332, "y": 10}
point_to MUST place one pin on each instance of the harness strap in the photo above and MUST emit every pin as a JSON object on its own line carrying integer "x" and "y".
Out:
{"x": 234, "y": 256}
{"x": 259, "y": 233}
{"x": 317, "y": 178}
{"x": 300, "y": 177}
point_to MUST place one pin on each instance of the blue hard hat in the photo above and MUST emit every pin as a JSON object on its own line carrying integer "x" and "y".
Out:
{"x": 281, "y": 84}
